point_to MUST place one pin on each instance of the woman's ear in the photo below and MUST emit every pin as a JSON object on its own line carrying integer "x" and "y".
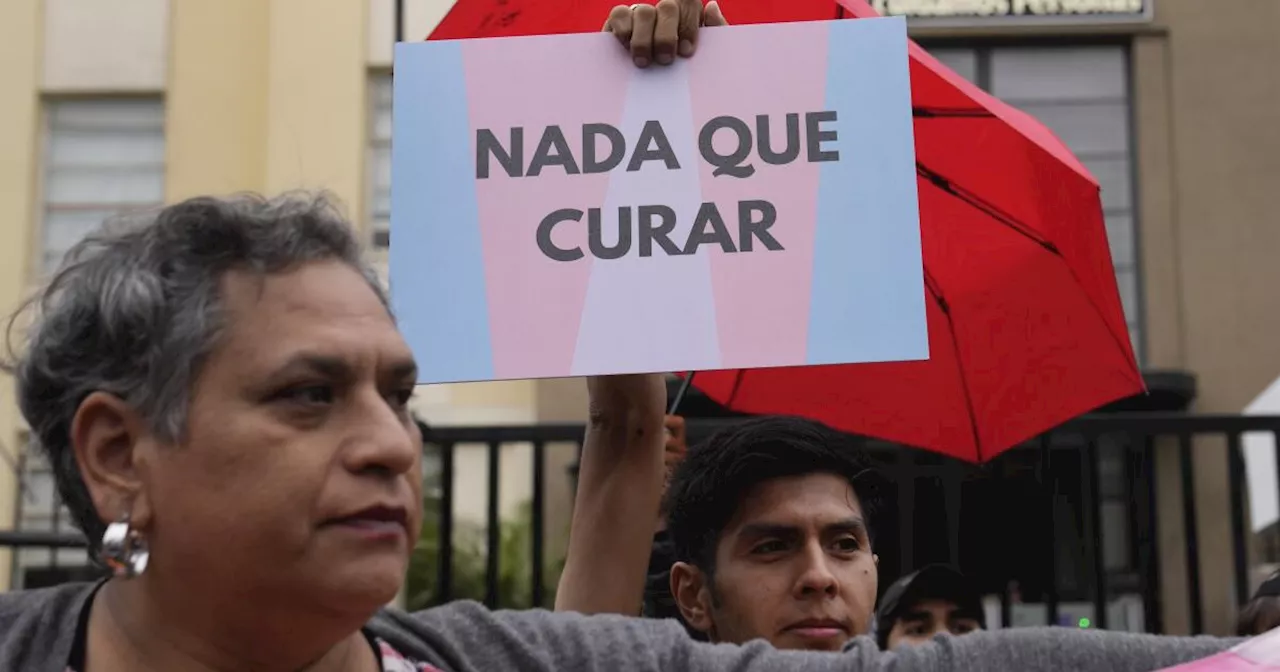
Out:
{"x": 105, "y": 436}
{"x": 693, "y": 596}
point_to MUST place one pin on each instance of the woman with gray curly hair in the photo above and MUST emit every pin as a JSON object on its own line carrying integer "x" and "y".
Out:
{"x": 221, "y": 390}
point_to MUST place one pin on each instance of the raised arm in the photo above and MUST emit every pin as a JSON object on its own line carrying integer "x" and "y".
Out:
{"x": 619, "y": 485}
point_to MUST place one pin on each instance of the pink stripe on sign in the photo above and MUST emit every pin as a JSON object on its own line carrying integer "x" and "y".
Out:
{"x": 535, "y": 303}
{"x": 769, "y": 321}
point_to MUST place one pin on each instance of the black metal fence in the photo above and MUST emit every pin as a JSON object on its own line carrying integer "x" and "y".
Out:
{"x": 1042, "y": 524}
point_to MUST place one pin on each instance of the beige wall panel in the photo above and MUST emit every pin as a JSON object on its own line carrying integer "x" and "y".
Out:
{"x": 1225, "y": 148}
{"x": 216, "y": 107}
{"x": 1158, "y": 235}
{"x": 106, "y": 45}
{"x": 382, "y": 32}
{"x": 317, "y": 98}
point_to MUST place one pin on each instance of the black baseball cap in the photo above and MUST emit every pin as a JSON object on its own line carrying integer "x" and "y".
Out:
{"x": 931, "y": 582}
{"x": 1269, "y": 588}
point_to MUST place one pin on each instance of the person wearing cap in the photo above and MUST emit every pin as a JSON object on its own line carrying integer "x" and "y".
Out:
{"x": 933, "y": 600}
{"x": 1261, "y": 613}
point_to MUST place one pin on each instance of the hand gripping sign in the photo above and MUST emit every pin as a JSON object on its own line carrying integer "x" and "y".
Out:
{"x": 558, "y": 212}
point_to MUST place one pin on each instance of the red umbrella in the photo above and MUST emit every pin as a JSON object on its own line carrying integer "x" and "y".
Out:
{"x": 1026, "y": 329}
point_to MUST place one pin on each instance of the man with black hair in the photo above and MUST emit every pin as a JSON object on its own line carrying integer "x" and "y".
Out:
{"x": 769, "y": 527}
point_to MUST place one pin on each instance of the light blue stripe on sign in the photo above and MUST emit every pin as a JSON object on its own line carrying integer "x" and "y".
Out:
{"x": 868, "y": 279}
{"x": 435, "y": 230}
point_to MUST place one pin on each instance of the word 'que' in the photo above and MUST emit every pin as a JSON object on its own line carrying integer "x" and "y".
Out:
{"x": 553, "y": 148}
{"x": 653, "y": 225}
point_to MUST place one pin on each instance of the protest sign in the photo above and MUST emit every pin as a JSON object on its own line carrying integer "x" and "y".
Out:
{"x": 556, "y": 211}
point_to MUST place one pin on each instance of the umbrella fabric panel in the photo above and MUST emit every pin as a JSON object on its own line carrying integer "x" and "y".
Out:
{"x": 1046, "y": 209}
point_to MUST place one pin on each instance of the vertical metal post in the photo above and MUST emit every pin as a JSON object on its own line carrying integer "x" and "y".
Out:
{"x": 1093, "y": 531}
{"x": 951, "y": 486}
{"x": 1148, "y": 544}
{"x": 399, "y": 19}
{"x": 1006, "y": 606}
{"x": 493, "y": 530}
{"x": 1195, "y": 603}
{"x": 539, "y": 520}
{"x": 444, "y": 567}
{"x": 1235, "y": 489}
{"x": 1048, "y": 486}
{"x": 906, "y": 511}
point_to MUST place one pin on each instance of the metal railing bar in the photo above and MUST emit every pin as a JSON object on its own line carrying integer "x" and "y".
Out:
{"x": 539, "y": 522}
{"x": 1049, "y": 487}
{"x": 444, "y": 559}
{"x": 41, "y": 539}
{"x": 1094, "y": 538}
{"x": 1236, "y": 491}
{"x": 1187, "y": 467}
{"x": 493, "y": 528}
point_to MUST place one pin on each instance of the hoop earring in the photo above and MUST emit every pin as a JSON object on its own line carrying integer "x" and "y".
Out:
{"x": 124, "y": 551}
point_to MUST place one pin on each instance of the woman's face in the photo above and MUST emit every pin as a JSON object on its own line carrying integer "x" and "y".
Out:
{"x": 299, "y": 478}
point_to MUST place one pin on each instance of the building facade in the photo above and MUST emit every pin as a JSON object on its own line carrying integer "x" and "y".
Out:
{"x": 1170, "y": 103}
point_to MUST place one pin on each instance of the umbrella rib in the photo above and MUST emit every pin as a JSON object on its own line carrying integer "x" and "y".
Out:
{"x": 1012, "y": 222}
{"x": 988, "y": 208}
{"x": 1125, "y": 352}
{"x": 733, "y": 391}
{"x": 935, "y": 291}
{"x": 951, "y": 112}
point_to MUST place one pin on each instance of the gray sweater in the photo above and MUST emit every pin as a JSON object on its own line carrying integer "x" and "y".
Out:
{"x": 37, "y": 629}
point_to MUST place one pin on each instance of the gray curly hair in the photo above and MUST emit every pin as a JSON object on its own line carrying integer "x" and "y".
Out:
{"x": 134, "y": 310}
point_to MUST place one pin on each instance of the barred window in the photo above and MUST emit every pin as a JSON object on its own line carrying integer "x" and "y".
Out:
{"x": 102, "y": 156}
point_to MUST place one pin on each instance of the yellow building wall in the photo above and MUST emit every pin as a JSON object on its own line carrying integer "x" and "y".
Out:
{"x": 20, "y": 51}
{"x": 283, "y": 106}
{"x": 317, "y": 98}
{"x": 216, "y": 98}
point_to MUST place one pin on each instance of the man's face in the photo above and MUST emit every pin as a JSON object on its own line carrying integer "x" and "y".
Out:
{"x": 793, "y": 566}
{"x": 926, "y": 618}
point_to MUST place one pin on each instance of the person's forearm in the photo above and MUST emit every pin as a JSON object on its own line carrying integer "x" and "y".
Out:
{"x": 593, "y": 644}
{"x": 619, "y": 486}
{"x": 1057, "y": 650}
{"x": 477, "y": 639}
